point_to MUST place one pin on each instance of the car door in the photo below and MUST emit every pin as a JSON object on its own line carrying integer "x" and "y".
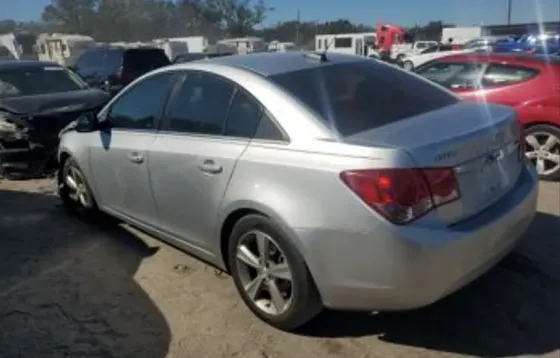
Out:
{"x": 195, "y": 154}
{"x": 119, "y": 159}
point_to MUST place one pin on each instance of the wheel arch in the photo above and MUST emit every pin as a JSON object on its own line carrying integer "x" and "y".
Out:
{"x": 235, "y": 212}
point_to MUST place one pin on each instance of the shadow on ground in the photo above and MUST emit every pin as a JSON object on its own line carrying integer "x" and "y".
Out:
{"x": 513, "y": 310}
{"x": 67, "y": 288}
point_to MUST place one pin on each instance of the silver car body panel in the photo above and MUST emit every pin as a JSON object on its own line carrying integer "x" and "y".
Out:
{"x": 358, "y": 259}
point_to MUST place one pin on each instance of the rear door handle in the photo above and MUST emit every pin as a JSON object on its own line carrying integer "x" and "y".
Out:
{"x": 210, "y": 167}
{"x": 136, "y": 158}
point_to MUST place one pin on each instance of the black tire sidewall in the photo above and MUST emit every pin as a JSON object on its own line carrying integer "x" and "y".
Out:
{"x": 553, "y": 131}
{"x": 306, "y": 301}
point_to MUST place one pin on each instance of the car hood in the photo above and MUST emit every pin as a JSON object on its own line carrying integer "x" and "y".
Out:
{"x": 51, "y": 103}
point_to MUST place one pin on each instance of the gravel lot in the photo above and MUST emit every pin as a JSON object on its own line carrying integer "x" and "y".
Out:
{"x": 68, "y": 289}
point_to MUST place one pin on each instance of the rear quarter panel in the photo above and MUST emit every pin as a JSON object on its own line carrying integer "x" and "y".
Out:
{"x": 302, "y": 189}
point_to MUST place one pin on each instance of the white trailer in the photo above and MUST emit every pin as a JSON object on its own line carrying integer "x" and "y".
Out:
{"x": 195, "y": 44}
{"x": 246, "y": 45}
{"x": 360, "y": 44}
{"x": 171, "y": 47}
{"x": 277, "y": 46}
{"x": 461, "y": 35}
{"x": 63, "y": 49}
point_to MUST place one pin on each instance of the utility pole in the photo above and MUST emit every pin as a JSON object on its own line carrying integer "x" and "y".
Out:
{"x": 297, "y": 28}
{"x": 509, "y": 13}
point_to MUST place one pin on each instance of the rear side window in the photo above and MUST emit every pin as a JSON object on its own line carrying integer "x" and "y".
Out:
{"x": 243, "y": 117}
{"x": 502, "y": 75}
{"x": 358, "y": 96}
{"x": 145, "y": 60}
{"x": 453, "y": 75}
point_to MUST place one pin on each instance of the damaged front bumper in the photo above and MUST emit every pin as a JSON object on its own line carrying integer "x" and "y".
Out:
{"x": 28, "y": 145}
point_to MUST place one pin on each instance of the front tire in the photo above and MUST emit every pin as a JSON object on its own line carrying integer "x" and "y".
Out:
{"x": 543, "y": 149}
{"x": 271, "y": 275}
{"x": 75, "y": 192}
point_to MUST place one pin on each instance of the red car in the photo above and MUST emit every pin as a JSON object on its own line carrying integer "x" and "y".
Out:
{"x": 530, "y": 84}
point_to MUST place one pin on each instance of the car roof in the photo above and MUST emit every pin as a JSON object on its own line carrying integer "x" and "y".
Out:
{"x": 17, "y": 64}
{"x": 273, "y": 63}
{"x": 513, "y": 58}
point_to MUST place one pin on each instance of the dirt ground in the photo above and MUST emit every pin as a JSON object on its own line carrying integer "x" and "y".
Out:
{"x": 68, "y": 289}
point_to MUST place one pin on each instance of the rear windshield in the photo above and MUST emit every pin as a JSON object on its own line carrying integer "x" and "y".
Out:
{"x": 29, "y": 81}
{"x": 359, "y": 96}
{"x": 145, "y": 59}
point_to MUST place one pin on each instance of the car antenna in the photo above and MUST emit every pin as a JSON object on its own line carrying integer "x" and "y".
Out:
{"x": 321, "y": 56}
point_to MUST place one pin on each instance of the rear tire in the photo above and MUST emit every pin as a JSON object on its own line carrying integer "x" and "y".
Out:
{"x": 543, "y": 149}
{"x": 299, "y": 300}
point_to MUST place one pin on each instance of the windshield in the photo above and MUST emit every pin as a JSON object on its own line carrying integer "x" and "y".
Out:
{"x": 363, "y": 95}
{"x": 29, "y": 81}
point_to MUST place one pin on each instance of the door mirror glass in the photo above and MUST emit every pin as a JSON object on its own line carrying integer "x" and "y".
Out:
{"x": 87, "y": 122}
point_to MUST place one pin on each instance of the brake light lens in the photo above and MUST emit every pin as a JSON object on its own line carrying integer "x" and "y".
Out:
{"x": 403, "y": 195}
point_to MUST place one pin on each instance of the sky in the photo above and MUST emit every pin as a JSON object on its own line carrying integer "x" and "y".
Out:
{"x": 401, "y": 12}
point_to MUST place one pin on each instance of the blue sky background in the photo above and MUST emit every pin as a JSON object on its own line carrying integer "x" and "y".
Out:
{"x": 402, "y": 12}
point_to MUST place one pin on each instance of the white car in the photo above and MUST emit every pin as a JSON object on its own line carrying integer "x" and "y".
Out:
{"x": 411, "y": 62}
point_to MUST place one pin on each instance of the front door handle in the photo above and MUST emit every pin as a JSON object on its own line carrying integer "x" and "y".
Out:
{"x": 210, "y": 167}
{"x": 136, "y": 158}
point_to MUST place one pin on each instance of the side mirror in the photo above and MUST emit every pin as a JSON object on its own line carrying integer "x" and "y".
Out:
{"x": 87, "y": 122}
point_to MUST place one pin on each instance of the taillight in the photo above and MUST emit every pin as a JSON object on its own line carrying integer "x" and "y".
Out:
{"x": 403, "y": 195}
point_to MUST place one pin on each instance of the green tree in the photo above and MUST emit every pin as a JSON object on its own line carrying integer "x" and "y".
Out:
{"x": 76, "y": 16}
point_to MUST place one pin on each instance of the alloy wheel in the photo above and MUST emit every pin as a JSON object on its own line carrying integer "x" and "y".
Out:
{"x": 264, "y": 273}
{"x": 543, "y": 149}
{"x": 77, "y": 188}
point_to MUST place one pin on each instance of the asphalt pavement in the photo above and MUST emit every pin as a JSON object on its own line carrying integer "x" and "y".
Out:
{"x": 69, "y": 289}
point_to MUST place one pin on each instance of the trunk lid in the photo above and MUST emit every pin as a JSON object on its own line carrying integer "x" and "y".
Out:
{"x": 479, "y": 142}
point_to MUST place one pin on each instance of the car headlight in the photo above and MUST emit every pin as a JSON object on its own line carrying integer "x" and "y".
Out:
{"x": 6, "y": 126}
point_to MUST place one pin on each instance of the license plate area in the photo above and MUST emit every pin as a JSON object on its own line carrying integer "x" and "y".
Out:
{"x": 486, "y": 179}
{"x": 492, "y": 175}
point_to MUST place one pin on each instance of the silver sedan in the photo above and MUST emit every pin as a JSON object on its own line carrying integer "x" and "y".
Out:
{"x": 314, "y": 180}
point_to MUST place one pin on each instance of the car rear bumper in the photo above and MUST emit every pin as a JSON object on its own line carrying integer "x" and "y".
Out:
{"x": 392, "y": 269}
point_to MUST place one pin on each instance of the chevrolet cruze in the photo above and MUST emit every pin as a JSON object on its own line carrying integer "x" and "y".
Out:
{"x": 314, "y": 180}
